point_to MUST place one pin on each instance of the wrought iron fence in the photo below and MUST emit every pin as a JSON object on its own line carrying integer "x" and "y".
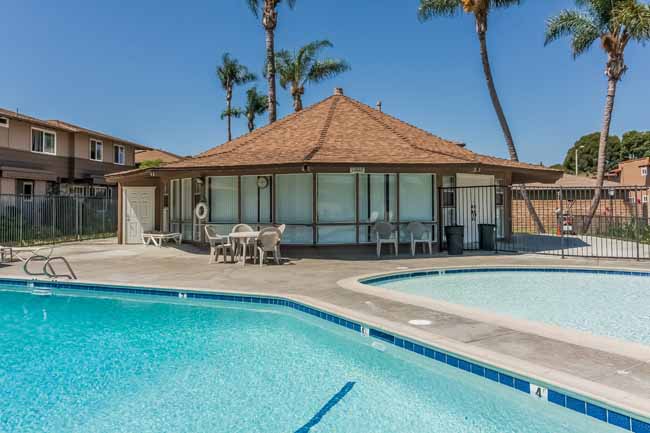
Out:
{"x": 619, "y": 229}
{"x": 33, "y": 220}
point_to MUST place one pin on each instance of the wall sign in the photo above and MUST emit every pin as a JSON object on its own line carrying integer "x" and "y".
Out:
{"x": 357, "y": 170}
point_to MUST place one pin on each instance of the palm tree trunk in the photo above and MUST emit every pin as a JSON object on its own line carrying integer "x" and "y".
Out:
{"x": 251, "y": 123}
{"x": 487, "y": 70}
{"x": 228, "y": 113}
{"x": 270, "y": 62}
{"x": 297, "y": 103}
{"x": 602, "y": 152}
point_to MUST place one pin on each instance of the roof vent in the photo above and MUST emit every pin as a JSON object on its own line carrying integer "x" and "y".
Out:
{"x": 338, "y": 91}
{"x": 378, "y": 105}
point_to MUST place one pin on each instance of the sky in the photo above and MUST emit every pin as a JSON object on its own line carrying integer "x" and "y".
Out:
{"x": 144, "y": 70}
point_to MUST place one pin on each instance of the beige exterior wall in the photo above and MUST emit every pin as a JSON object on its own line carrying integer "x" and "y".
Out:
{"x": 7, "y": 186}
{"x": 19, "y": 137}
{"x": 40, "y": 187}
{"x": 631, "y": 174}
{"x": 82, "y": 149}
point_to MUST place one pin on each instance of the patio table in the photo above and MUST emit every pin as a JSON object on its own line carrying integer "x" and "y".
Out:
{"x": 243, "y": 237}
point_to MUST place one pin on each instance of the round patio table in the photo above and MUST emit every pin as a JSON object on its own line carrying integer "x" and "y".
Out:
{"x": 243, "y": 237}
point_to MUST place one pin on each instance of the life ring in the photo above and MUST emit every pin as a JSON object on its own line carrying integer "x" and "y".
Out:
{"x": 201, "y": 211}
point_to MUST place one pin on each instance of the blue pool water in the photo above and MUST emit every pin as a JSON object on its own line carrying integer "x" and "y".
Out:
{"x": 612, "y": 305}
{"x": 127, "y": 364}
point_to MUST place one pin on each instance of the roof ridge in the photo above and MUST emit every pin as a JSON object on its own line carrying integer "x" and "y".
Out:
{"x": 323, "y": 132}
{"x": 369, "y": 111}
{"x": 249, "y": 137}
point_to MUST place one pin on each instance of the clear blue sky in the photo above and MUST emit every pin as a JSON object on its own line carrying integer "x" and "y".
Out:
{"x": 145, "y": 69}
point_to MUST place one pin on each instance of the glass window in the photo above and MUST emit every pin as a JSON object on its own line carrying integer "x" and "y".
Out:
{"x": 224, "y": 199}
{"x": 28, "y": 189}
{"x": 294, "y": 207}
{"x": 43, "y": 141}
{"x": 336, "y": 198}
{"x": 119, "y": 154}
{"x": 644, "y": 171}
{"x": 4, "y": 122}
{"x": 96, "y": 150}
{"x": 256, "y": 199}
{"x": 417, "y": 197}
{"x": 187, "y": 211}
{"x": 377, "y": 197}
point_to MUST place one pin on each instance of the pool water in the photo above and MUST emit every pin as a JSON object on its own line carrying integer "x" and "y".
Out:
{"x": 613, "y": 305}
{"x": 91, "y": 364}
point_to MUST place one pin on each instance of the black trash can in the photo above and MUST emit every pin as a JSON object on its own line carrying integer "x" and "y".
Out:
{"x": 487, "y": 236}
{"x": 455, "y": 240}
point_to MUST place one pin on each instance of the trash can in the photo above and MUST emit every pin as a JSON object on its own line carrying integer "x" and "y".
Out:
{"x": 455, "y": 239}
{"x": 487, "y": 235}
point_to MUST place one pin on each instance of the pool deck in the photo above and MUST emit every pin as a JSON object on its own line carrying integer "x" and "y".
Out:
{"x": 614, "y": 373}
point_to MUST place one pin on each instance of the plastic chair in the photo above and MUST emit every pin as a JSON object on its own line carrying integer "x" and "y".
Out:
{"x": 218, "y": 243}
{"x": 420, "y": 234}
{"x": 386, "y": 234}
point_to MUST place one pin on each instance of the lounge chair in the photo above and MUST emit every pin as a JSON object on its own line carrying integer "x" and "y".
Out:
{"x": 24, "y": 254}
{"x": 218, "y": 244}
{"x": 386, "y": 234}
{"x": 268, "y": 241}
{"x": 420, "y": 234}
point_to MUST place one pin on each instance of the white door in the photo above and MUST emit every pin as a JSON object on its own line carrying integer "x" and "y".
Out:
{"x": 139, "y": 203}
{"x": 475, "y": 205}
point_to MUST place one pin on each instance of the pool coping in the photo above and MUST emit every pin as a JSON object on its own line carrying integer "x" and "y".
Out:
{"x": 564, "y": 389}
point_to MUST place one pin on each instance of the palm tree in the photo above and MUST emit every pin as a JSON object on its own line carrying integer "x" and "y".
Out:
{"x": 268, "y": 9}
{"x": 256, "y": 104}
{"x": 232, "y": 74}
{"x": 615, "y": 23}
{"x": 481, "y": 9}
{"x": 299, "y": 68}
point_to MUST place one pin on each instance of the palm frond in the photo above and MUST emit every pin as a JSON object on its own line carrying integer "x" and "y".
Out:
{"x": 433, "y": 8}
{"x": 233, "y": 112}
{"x": 256, "y": 103}
{"x": 504, "y": 3}
{"x": 634, "y": 17}
{"x": 324, "y": 69}
{"x": 580, "y": 26}
{"x": 254, "y": 6}
{"x": 284, "y": 67}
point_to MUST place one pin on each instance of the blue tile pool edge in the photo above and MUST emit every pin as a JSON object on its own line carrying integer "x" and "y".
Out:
{"x": 562, "y": 398}
{"x": 406, "y": 275}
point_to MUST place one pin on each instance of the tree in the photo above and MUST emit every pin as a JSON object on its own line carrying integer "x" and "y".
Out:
{"x": 615, "y": 23}
{"x": 635, "y": 144}
{"x": 588, "y": 154}
{"x": 256, "y": 104}
{"x": 232, "y": 74}
{"x": 302, "y": 67}
{"x": 268, "y": 9}
{"x": 150, "y": 163}
{"x": 481, "y": 9}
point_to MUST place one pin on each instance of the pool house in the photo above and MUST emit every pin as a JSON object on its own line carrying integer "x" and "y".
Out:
{"x": 329, "y": 173}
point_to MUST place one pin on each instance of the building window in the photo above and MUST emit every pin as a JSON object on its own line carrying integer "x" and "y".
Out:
{"x": 644, "y": 171}
{"x": 119, "y": 154}
{"x": 27, "y": 190}
{"x": 644, "y": 199}
{"x": 4, "y": 122}
{"x": 43, "y": 141}
{"x": 96, "y": 150}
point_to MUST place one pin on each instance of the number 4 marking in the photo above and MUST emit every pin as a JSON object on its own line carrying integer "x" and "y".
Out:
{"x": 538, "y": 391}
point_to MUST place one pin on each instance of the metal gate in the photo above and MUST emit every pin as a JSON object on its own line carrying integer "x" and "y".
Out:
{"x": 620, "y": 228}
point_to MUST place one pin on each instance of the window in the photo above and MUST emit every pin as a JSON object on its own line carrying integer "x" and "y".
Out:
{"x": 96, "y": 150}
{"x": 119, "y": 154}
{"x": 337, "y": 202}
{"x": 644, "y": 171}
{"x": 43, "y": 141}
{"x": 4, "y": 122}
{"x": 27, "y": 190}
{"x": 417, "y": 202}
{"x": 644, "y": 199}
{"x": 294, "y": 207}
{"x": 256, "y": 199}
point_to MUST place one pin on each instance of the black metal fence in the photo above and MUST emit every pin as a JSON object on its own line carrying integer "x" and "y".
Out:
{"x": 558, "y": 224}
{"x": 33, "y": 220}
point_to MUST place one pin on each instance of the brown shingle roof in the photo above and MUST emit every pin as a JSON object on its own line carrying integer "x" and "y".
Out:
{"x": 156, "y": 154}
{"x": 340, "y": 130}
{"x": 572, "y": 181}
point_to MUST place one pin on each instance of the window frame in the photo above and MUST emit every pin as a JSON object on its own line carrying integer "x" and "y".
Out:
{"x": 90, "y": 150}
{"x": 119, "y": 146}
{"x": 4, "y": 125}
{"x": 27, "y": 197}
{"x": 644, "y": 171}
{"x": 44, "y": 131}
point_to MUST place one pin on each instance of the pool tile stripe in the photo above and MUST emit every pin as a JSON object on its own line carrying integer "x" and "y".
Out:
{"x": 520, "y": 384}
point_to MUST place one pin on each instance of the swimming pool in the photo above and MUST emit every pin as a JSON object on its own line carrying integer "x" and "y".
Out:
{"x": 126, "y": 363}
{"x": 608, "y": 303}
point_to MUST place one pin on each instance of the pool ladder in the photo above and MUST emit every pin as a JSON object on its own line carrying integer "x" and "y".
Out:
{"x": 48, "y": 269}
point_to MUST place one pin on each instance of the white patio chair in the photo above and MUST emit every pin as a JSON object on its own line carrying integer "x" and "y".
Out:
{"x": 420, "y": 234}
{"x": 24, "y": 254}
{"x": 282, "y": 228}
{"x": 218, "y": 244}
{"x": 268, "y": 241}
{"x": 238, "y": 245}
{"x": 385, "y": 234}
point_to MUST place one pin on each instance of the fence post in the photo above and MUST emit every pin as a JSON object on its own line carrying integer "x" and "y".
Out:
{"x": 637, "y": 226}
{"x": 561, "y": 220}
{"x": 76, "y": 219}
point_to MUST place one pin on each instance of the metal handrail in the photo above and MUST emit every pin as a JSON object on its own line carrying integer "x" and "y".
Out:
{"x": 52, "y": 273}
{"x": 48, "y": 270}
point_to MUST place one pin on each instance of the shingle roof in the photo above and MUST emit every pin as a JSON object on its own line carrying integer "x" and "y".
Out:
{"x": 341, "y": 130}
{"x": 572, "y": 181}
{"x": 156, "y": 154}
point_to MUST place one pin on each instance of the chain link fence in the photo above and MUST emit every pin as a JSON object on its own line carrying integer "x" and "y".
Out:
{"x": 35, "y": 220}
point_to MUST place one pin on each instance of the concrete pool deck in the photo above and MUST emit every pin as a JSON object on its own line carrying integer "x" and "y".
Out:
{"x": 617, "y": 374}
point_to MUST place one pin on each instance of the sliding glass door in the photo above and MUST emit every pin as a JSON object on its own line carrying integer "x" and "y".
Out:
{"x": 336, "y": 194}
{"x": 377, "y": 202}
{"x": 294, "y": 207}
{"x": 223, "y": 193}
{"x": 256, "y": 196}
{"x": 417, "y": 202}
